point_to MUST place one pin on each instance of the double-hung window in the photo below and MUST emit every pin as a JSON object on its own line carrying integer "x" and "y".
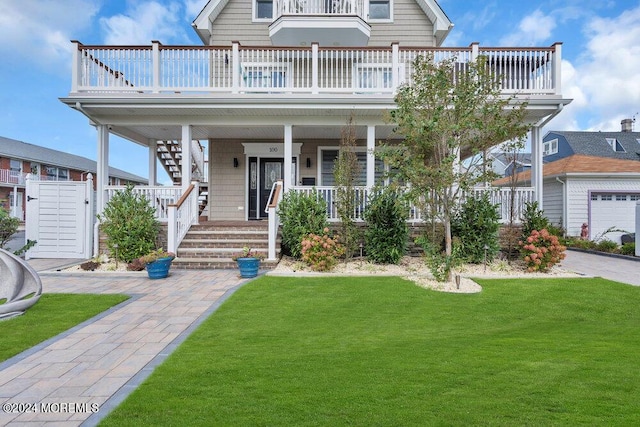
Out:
{"x": 550, "y": 147}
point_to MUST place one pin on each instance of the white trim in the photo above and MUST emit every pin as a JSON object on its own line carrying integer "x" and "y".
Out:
{"x": 379, "y": 20}
{"x": 547, "y": 147}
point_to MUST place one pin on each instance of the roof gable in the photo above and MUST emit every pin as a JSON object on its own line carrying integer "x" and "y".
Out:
{"x": 203, "y": 23}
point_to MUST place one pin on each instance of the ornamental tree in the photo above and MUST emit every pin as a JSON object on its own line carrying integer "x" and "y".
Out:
{"x": 450, "y": 111}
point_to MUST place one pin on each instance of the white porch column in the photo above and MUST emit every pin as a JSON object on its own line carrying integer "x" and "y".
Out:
{"x": 536, "y": 164}
{"x": 371, "y": 156}
{"x": 153, "y": 161}
{"x": 102, "y": 166}
{"x": 186, "y": 156}
{"x": 288, "y": 152}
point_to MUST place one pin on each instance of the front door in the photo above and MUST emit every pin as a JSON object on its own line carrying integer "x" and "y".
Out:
{"x": 271, "y": 170}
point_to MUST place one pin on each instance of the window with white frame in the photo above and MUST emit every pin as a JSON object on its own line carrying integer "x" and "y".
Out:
{"x": 15, "y": 166}
{"x": 263, "y": 10}
{"x": 615, "y": 145}
{"x": 328, "y": 160}
{"x": 265, "y": 75}
{"x": 550, "y": 147}
{"x": 54, "y": 173}
{"x": 380, "y": 10}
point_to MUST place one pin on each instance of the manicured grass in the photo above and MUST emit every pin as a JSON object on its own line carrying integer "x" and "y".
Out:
{"x": 382, "y": 351}
{"x": 53, "y": 314}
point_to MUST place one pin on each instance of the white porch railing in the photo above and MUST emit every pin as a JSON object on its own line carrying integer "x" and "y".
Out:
{"x": 182, "y": 215}
{"x": 8, "y": 176}
{"x": 236, "y": 69}
{"x": 500, "y": 197}
{"x": 159, "y": 197}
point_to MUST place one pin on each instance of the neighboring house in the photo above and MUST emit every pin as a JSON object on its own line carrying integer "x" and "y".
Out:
{"x": 17, "y": 159}
{"x": 590, "y": 178}
{"x": 504, "y": 163}
{"x": 274, "y": 85}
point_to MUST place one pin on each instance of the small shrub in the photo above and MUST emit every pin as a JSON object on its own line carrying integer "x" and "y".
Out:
{"x": 440, "y": 264}
{"x": 541, "y": 251}
{"x": 300, "y": 214}
{"x": 321, "y": 252}
{"x": 575, "y": 242}
{"x": 608, "y": 246}
{"x": 387, "y": 232}
{"x": 533, "y": 219}
{"x": 8, "y": 227}
{"x": 129, "y": 222}
{"x": 476, "y": 224}
{"x": 628, "y": 249}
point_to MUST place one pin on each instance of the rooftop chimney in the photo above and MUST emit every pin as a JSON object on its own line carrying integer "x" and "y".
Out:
{"x": 627, "y": 125}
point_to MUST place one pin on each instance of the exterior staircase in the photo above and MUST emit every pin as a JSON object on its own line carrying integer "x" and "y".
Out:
{"x": 210, "y": 245}
{"x": 170, "y": 155}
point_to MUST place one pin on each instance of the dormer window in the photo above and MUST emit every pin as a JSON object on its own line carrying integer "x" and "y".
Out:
{"x": 550, "y": 147}
{"x": 615, "y": 145}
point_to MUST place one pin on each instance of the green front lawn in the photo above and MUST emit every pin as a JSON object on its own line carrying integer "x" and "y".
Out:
{"x": 382, "y": 351}
{"x": 51, "y": 315}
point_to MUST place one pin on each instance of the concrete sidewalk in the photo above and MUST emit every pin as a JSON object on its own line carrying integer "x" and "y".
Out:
{"x": 80, "y": 376}
{"x": 608, "y": 267}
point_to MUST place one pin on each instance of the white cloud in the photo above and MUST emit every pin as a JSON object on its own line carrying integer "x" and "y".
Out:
{"x": 40, "y": 30}
{"x": 193, "y": 8}
{"x": 532, "y": 30}
{"x": 144, "y": 22}
{"x": 608, "y": 72}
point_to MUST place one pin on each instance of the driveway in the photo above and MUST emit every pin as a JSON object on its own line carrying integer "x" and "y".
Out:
{"x": 608, "y": 267}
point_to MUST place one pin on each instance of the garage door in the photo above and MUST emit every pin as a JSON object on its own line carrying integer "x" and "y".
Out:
{"x": 609, "y": 210}
{"x": 59, "y": 219}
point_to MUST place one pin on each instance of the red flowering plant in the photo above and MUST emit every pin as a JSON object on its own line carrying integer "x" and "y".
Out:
{"x": 541, "y": 251}
{"x": 321, "y": 253}
{"x": 247, "y": 252}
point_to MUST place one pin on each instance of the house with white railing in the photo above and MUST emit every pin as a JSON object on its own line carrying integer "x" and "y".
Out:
{"x": 20, "y": 159}
{"x": 270, "y": 91}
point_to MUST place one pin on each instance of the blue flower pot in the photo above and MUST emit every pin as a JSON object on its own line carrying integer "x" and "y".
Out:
{"x": 159, "y": 269}
{"x": 248, "y": 267}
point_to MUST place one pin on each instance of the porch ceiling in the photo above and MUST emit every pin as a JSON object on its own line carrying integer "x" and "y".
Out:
{"x": 140, "y": 118}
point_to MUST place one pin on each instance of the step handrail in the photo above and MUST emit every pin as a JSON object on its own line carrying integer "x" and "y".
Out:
{"x": 274, "y": 219}
{"x": 182, "y": 215}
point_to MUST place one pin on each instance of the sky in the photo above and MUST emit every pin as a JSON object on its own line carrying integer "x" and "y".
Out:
{"x": 600, "y": 51}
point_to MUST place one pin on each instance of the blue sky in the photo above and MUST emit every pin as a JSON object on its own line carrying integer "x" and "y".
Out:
{"x": 600, "y": 70}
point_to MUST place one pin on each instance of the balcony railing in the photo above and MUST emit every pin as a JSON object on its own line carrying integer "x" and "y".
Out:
{"x": 8, "y": 176}
{"x": 313, "y": 70}
{"x": 319, "y": 7}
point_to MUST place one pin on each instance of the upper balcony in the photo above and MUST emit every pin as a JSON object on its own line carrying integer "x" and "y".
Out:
{"x": 326, "y": 22}
{"x": 279, "y": 72}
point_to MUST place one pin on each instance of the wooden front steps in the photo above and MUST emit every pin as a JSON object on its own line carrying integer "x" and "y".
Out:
{"x": 210, "y": 245}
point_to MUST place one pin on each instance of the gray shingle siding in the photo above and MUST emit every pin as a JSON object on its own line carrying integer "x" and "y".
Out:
{"x": 12, "y": 148}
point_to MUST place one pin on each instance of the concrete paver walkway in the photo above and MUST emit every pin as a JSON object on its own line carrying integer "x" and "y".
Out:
{"x": 81, "y": 376}
{"x": 612, "y": 268}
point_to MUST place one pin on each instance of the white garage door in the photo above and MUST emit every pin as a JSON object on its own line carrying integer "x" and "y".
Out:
{"x": 612, "y": 210}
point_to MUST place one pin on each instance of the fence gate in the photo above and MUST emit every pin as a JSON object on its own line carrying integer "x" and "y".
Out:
{"x": 60, "y": 218}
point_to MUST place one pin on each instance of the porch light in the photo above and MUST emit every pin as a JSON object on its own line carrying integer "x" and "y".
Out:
{"x": 235, "y": 162}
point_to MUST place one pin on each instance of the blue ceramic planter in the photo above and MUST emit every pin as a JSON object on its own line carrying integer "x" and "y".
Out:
{"x": 248, "y": 267}
{"x": 159, "y": 269}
